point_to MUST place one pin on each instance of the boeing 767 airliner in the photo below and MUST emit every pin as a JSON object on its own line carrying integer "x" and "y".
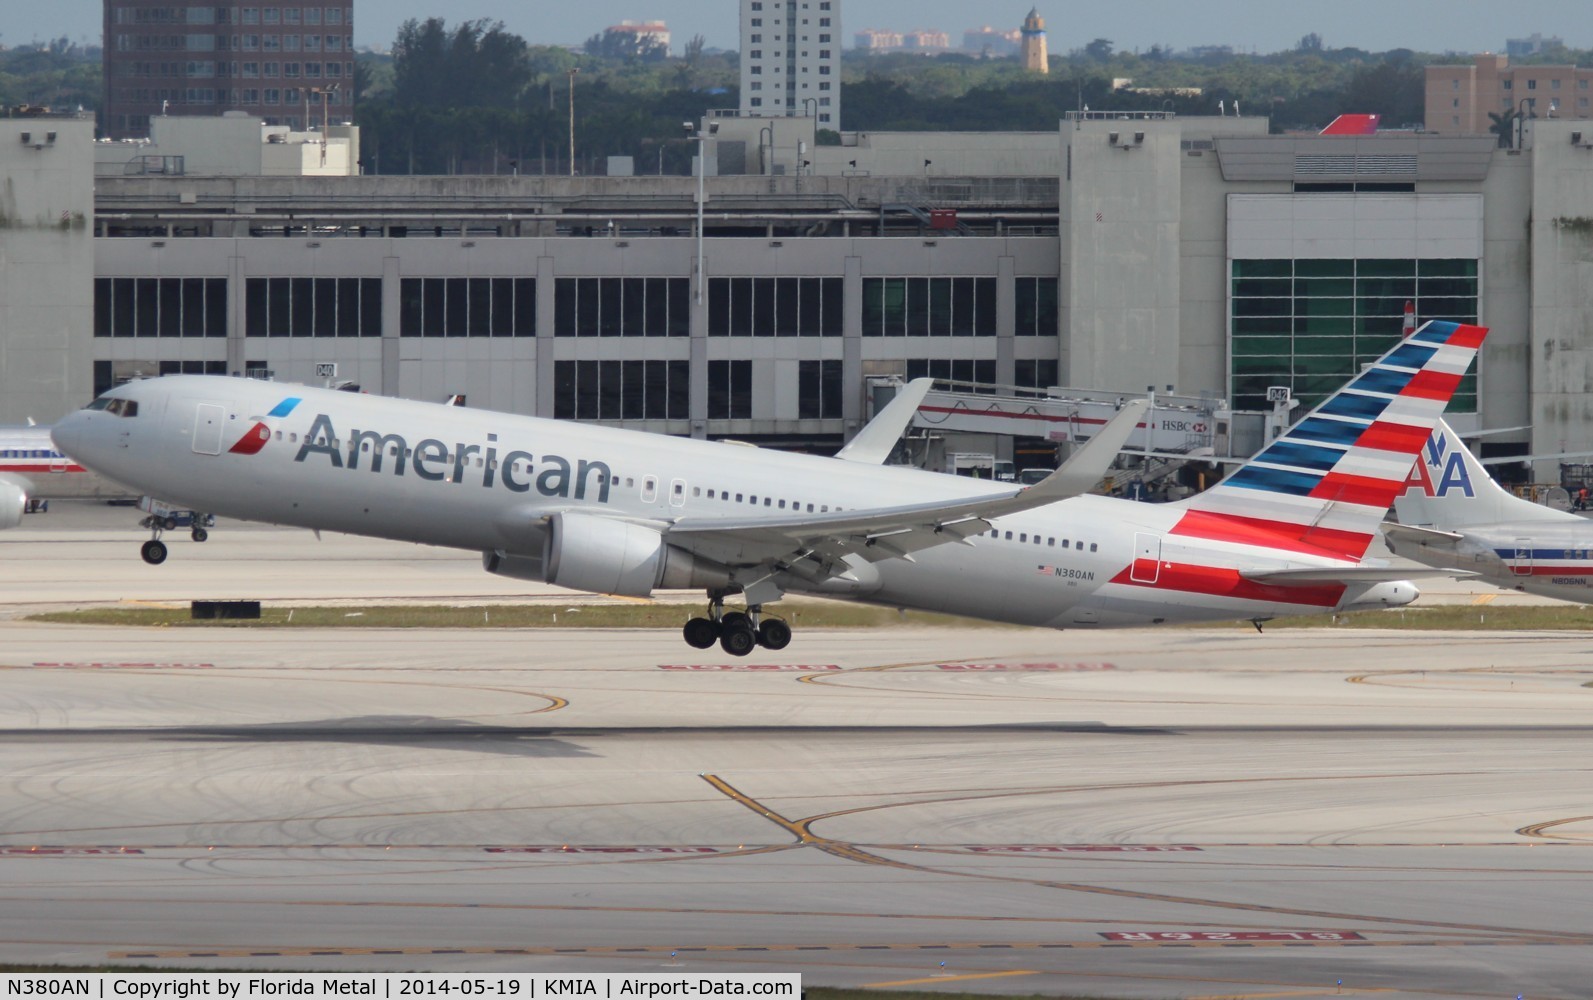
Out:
{"x": 612, "y": 511}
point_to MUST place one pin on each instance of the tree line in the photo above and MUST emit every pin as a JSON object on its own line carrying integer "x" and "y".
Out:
{"x": 473, "y": 97}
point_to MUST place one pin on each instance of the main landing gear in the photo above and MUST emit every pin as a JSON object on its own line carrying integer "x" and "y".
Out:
{"x": 738, "y": 633}
{"x": 154, "y": 550}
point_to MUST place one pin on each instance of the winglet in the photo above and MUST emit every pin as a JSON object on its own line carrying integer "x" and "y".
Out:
{"x": 873, "y": 444}
{"x": 1087, "y": 466}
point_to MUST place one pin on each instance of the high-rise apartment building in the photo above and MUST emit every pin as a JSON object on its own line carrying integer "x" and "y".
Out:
{"x": 291, "y": 64}
{"x": 1475, "y": 98}
{"x": 791, "y": 59}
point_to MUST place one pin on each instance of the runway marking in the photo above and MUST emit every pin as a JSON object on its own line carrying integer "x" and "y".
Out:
{"x": 748, "y": 666}
{"x": 686, "y": 951}
{"x": 1066, "y": 667}
{"x": 120, "y": 666}
{"x": 1232, "y": 936}
{"x": 1483, "y": 599}
{"x": 807, "y": 838}
{"x": 1294, "y": 993}
{"x": 1075, "y": 848}
{"x": 568, "y": 849}
{"x": 953, "y": 979}
{"x": 1537, "y": 829}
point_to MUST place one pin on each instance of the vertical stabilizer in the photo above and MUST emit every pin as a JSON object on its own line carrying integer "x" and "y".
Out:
{"x": 1449, "y": 489}
{"x": 1325, "y": 485}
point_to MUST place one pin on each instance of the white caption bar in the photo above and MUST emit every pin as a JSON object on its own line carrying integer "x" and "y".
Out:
{"x": 277, "y": 985}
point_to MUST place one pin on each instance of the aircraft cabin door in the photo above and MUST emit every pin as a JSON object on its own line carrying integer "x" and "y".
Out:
{"x": 1522, "y": 564}
{"x": 209, "y": 420}
{"x": 1147, "y": 565}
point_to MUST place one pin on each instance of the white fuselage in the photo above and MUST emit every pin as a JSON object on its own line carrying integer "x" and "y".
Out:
{"x": 486, "y": 481}
{"x": 1548, "y": 558}
{"x": 28, "y": 454}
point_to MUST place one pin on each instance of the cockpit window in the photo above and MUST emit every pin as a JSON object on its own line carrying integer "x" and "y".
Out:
{"x": 117, "y": 406}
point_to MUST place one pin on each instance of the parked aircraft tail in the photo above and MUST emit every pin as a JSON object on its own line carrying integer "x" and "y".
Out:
{"x": 1325, "y": 485}
{"x": 1352, "y": 125}
{"x": 1449, "y": 489}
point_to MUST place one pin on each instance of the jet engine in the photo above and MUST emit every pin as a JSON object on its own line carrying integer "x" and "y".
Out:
{"x": 517, "y": 567}
{"x": 607, "y": 556}
{"x": 13, "y": 500}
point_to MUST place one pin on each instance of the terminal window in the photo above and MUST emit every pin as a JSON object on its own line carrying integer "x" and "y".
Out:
{"x": 467, "y": 307}
{"x": 160, "y": 307}
{"x": 929, "y": 307}
{"x": 621, "y": 390}
{"x": 954, "y": 370}
{"x": 1036, "y": 306}
{"x": 729, "y": 390}
{"x": 819, "y": 390}
{"x": 775, "y": 307}
{"x": 313, "y": 307}
{"x": 622, "y": 307}
{"x": 1311, "y": 324}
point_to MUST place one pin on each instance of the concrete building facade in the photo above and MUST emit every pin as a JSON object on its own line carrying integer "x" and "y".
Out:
{"x": 791, "y": 60}
{"x": 1120, "y": 253}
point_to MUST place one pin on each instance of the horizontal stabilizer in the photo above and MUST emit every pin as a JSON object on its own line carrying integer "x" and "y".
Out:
{"x": 1348, "y": 575}
{"x": 1411, "y": 532}
{"x": 875, "y": 442}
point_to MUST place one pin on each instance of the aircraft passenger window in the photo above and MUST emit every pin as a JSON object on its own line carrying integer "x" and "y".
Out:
{"x": 754, "y": 500}
{"x": 1037, "y": 539}
{"x": 766, "y": 502}
{"x": 1023, "y": 537}
{"x": 293, "y": 437}
{"x": 825, "y": 509}
{"x": 1051, "y": 542}
{"x": 680, "y": 489}
{"x": 1079, "y": 546}
{"x": 1092, "y": 546}
{"x": 782, "y": 505}
{"x": 1009, "y": 536}
{"x": 738, "y": 498}
{"x": 492, "y": 464}
{"x": 810, "y": 508}
{"x": 696, "y": 491}
{"x": 279, "y": 438}
{"x": 629, "y": 481}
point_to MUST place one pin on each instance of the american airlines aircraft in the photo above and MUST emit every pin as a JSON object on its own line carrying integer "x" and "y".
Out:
{"x": 1453, "y": 515}
{"x": 33, "y": 469}
{"x": 618, "y": 512}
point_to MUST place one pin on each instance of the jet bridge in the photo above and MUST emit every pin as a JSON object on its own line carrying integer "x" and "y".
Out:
{"x": 1176, "y": 424}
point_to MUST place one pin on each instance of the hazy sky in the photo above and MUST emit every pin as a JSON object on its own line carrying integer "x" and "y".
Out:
{"x": 1261, "y": 25}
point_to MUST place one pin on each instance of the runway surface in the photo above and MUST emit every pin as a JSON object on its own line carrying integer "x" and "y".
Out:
{"x": 1135, "y": 814}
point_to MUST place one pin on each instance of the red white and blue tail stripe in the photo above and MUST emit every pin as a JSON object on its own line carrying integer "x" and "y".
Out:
{"x": 1325, "y": 485}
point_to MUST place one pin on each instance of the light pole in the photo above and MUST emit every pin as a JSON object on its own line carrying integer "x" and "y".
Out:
{"x": 701, "y": 135}
{"x": 764, "y": 165}
{"x": 813, "y": 101}
{"x": 573, "y": 71}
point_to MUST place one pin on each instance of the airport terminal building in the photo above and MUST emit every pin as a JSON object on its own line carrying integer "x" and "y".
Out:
{"x": 1117, "y": 253}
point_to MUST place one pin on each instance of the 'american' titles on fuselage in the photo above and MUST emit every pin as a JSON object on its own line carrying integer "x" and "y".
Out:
{"x": 557, "y": 477}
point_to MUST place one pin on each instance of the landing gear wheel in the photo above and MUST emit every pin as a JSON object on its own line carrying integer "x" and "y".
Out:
{"x": 738, "y": 640}
{"x": 200, "y": 534}
{"x": 154, "y": 552}
{"x": 169, "y": 523}
{"x": 774, "y": 634}
{"x": 735, "y": 619}
{"x": 700, "y": 633}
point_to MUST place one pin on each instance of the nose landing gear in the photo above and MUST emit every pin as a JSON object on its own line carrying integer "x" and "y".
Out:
{"x": 738, "y": 633}
{"x": 154, "y": 551}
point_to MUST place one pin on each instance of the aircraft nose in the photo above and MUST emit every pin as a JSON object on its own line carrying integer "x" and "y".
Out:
{"x": 67, "y": 433}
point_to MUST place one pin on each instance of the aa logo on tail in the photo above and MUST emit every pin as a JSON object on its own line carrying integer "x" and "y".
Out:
{"x": 1440, "y": 470}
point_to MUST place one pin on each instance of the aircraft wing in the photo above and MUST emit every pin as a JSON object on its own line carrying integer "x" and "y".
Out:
{"x": 874, "y": 443}
{"x": 1310, "y": 577}
{"x": 897, "y": 532}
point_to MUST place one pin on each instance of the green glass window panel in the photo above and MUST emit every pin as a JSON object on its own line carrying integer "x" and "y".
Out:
{"x": 1341, "y": 347}
{"x": 1324, "y": 286}
{"x": 1457, "y": 309}
{"x": 1250, "y": 391}
{"x": 1268, "y": 365}
{"x": 1385, "y": 268}
{"x": 1393, "y": 288}
{"x": 1262, "y": 287}
{"x": 1259, "y": 326}
{"x": 1263, "y": 268}
{"x": 1263, "y": 307}
{"x": 1312, "y": 389}
{"x": 1389, "y": 306}
{"x": 1453, "y": 287}
{"x": 1324, "y": 325}
{"x": 1336, "y": 365}
{"x": 1267, "y": 346}
{"x": 1325, "y": 307}
{"x": 873, "y": 307}
{"x": 1380, "y": 326}
{"x": 1460, "y": 267}
{"x": 1324, "y": 268}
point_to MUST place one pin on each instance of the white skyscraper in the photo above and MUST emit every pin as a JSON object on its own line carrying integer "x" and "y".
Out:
{"x": 791, "y": 59}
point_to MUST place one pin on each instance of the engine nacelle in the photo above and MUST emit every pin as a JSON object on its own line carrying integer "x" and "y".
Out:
{"x": 605, "y": 556}
{"x": 1376, "y": 596}
{"x": 13, "y": 501}
{"x": 510, "y": 565}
